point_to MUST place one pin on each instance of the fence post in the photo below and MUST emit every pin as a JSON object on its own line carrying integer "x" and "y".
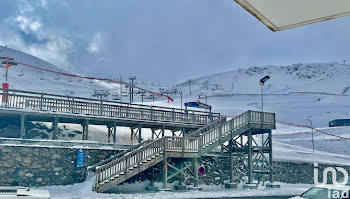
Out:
{"x": 126, "y": 164}
{"x": 7, "y": 98}
{"x": 72, "y": 105}
{"x": 193, "y": 118}
{"x": 151, "y": 113}
{"x": 183, "y": 145}
{"x": 173, "y": 115}
{"x": 41, "y": 101}
{"x": 249, "y": 118}
{"x": 127, "y": 111}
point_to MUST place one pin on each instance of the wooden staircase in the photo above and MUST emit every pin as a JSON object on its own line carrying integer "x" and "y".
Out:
{"x": 122, "y": 167}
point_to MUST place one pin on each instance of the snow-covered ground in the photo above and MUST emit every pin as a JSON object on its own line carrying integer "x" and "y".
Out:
{"x": 137, "y": 191}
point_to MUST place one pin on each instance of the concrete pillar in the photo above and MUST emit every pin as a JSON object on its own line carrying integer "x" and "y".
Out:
{"x": 54, "y": 128}
{"x": 23, "y": 126}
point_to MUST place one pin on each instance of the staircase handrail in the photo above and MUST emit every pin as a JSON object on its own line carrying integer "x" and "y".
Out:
{"x": 208, "y": 127}
{"x": 119, "y": 155}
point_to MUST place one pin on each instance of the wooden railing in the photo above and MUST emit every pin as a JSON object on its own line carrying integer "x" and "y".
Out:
{"x": 179, "y": 144}
{"x": 119, "y": 155}
{"x": 208, "y": 127}
{"x": 131, "y": 159}
{"x": 78, "y": 105}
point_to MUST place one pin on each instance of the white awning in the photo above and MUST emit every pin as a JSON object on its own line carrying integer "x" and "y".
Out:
{"x": 283, "y": 14}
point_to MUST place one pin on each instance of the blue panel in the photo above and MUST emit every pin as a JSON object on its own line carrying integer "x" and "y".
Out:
{"x": 80, "y": 158}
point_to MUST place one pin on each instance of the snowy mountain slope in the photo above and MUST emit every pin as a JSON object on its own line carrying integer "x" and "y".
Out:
{"x": 24, "y": 78}
{"x": 325, "y": 78}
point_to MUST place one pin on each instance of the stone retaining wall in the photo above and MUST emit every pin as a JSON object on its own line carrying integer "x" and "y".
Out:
{"x": 217, "y": 172}
{"x": 43, "y": 166}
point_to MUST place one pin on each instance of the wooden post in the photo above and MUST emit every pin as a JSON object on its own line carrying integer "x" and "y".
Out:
{"x": 115, "y": 132}
{"x": 250, "y": 165}
{"x": 165, "y": 173}
{"x": 195, "y": 171}
{"x": 23, "y": 126}
{"x": 231, "y": 164}
{"x": 55, "y": 128}
{"x": 41, "y": 101}
{"x": 140, "y": 128}
{"x": 151, "y": 183}
{"x": 270, "y": 157}
{"x": 86, "y": 130}
{"x": 109, "y": 133}
{"x": 163, "y": 130}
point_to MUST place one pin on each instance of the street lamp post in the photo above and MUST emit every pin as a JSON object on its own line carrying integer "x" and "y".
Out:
{"x": 262, "y": 82}
{"x": 312, "y": 135}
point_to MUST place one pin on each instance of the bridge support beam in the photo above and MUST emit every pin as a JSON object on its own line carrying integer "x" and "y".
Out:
{"x": 195, "y": 171}
{"x": 165, "y": 173}
{"x": 231, "y": 184}
{"x": 140, "y": 128}
{"x": 155, "y": 135}
{"x": 250, "y": 156}
{"x": 163, "y": 131}
{"x": 114, "y": 132}
{"x": 86, "y": 130}
{"x": 23, "y": 126}
{"x": 54, "y": 128}
{"x": 151, "y": 186}
{"x": 270, "y": 158}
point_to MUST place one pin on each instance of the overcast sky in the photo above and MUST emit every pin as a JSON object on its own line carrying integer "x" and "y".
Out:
{"x": 161, "y": 40}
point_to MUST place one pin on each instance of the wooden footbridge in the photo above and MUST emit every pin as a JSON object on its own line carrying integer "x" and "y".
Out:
{"x": 202, "y": 133}
{"x": 31, "y": 106}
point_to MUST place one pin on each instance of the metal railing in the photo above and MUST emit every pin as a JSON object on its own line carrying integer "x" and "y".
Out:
{"x": 178, "y": 144}
{"x": 95, "y": 107}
